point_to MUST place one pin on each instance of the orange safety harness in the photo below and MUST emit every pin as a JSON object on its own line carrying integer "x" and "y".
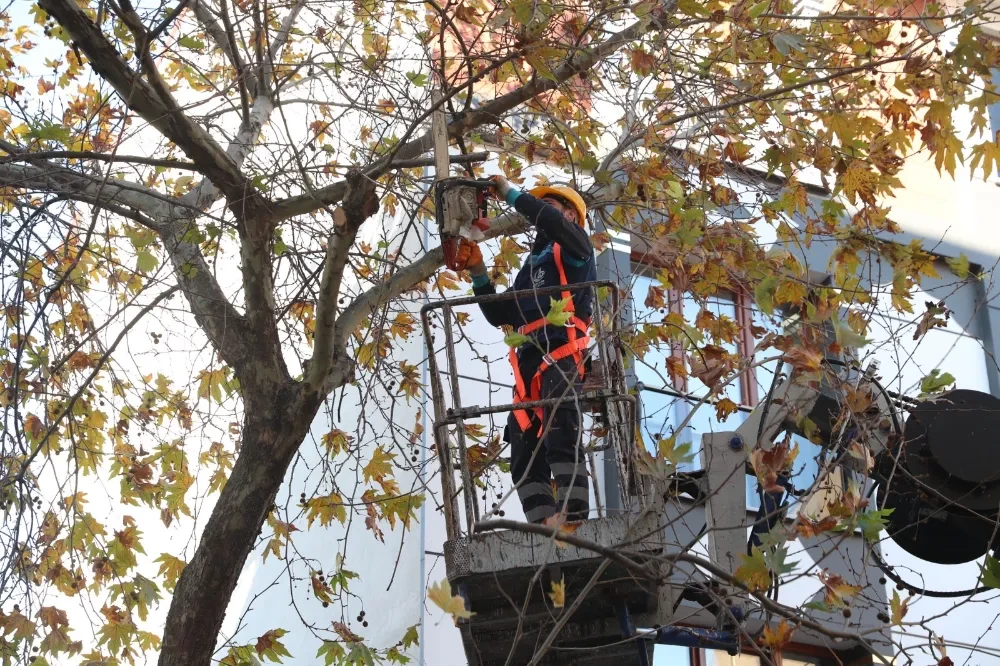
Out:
{"x": 574, "y": 347}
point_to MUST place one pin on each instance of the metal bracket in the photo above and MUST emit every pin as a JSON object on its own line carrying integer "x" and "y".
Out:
{"x": 724, "y": 460}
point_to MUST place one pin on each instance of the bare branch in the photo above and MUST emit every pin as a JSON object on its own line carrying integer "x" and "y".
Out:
{"x": 165, "y": 23}
{"x": 582, "y": 61}
{"x": 225, "y": 39}
{"x": 404, "y": 280}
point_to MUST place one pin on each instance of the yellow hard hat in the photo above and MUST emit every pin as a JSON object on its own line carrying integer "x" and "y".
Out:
{"x": 567, "y": 193}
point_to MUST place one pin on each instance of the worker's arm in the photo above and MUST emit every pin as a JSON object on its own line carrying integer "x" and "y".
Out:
{"x": 497, "y": 313}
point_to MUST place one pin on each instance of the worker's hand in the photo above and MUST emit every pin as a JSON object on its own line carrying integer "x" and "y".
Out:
{"x": 501, "y": 186}
{"x": 467, "y": 256}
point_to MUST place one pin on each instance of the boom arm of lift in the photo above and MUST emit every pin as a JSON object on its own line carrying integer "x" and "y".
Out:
{"x": 724, "y": 457}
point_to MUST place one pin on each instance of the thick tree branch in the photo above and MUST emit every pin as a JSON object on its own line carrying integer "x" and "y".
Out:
{"x": 197, "y": 144}
{"x": 84, "y": 188}
{"x": 225, "y": 327}
{"x": 582, "y": 61}
{"x": 360, "y": 204}
{"x": 99, "y": 157}
{"x": 401, "y": 282}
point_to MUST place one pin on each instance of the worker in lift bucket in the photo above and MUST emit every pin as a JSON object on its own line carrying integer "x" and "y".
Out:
{"x": 551, "y": 363}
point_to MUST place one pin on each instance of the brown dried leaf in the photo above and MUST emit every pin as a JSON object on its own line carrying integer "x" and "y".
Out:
{"x": 767, "y": 464}
{"x": 807, "y": 528}
{"x": 837, "y": 591}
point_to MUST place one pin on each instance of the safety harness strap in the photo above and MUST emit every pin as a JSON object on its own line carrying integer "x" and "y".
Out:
{"x": 574, "y": 347}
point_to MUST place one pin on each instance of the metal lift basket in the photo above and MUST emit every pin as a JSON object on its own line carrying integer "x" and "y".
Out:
{"x": 505, "y": 576}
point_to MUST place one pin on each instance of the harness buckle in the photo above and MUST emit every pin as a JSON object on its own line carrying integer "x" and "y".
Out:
{"x": 548, "y": 360}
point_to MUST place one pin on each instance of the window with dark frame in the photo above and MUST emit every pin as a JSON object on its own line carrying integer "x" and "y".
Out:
{"x": 668, "y": 397}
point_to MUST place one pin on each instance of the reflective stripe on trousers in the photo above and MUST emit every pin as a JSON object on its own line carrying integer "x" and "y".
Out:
{"x": 557, "y": 456}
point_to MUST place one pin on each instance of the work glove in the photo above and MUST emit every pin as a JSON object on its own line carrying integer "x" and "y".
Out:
{"x": 465, "y": 255}
{"x": 501, "y": 187}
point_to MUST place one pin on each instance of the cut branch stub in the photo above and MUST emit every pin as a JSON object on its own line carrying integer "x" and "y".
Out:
{"x": 360, "y": 200}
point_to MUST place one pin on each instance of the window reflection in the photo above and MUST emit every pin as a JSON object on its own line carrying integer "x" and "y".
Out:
{"x": 720, "y": 658}
{"x": 671, "y": 655}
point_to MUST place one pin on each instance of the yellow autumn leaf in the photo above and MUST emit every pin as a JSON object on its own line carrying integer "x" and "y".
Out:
{"x": 380, "y": 466}
{"x": 837, "y": 590}
{"x": 753, "y": 572}
{"x": 557, "y": 314}
{"x": 898, "y": 608}
{"x": 558, "y": 593}
{"x": 454, "y": 605}
{"x": 779, "y": 636}
{"x": 558, "y": 522}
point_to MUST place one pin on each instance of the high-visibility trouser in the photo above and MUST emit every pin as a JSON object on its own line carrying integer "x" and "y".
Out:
{"x": 551, "y": 450}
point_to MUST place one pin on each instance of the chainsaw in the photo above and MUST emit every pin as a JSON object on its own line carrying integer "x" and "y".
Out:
{"x": 460, "y": 209}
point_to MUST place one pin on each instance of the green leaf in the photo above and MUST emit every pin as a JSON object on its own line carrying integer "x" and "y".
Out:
{"x": 515, "y": 339}
{"x": 50, "y": 132}
{"x": 990, "y": 574}
{"x": 677, "y": 455}
{"x": 540, "y": 64}
{"x": 147, "y": 594}
{"x": 675, "y": 190}
{"x": 524, "y": 10}
{"x": 557, "y": 315}
{"x": 145, "y": 261}
{"x": 191, "y": 43}
{"x": 692, "y": 8}
{"x": 361, "y": 654}
{"x": 332, "y": 652}
{"x": 775, "y": 561}
{"x": 776, "y": 538}
{"x": 418, "y": 79}
{"x": 786, "y": 42}
{"x": 847, "y": 337}
{"x": 411, "y": 637}
{"x": 873, "y": 522}
{"x": 763, "y": 293}
{"x": 753, "y": 572}
{"x": 959, "y": 266}
{"x": 759, "y": 8}
{"x": 934, "y": 382}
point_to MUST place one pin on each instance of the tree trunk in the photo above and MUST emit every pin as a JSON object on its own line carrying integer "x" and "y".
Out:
{"x": 276, "y": 422}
